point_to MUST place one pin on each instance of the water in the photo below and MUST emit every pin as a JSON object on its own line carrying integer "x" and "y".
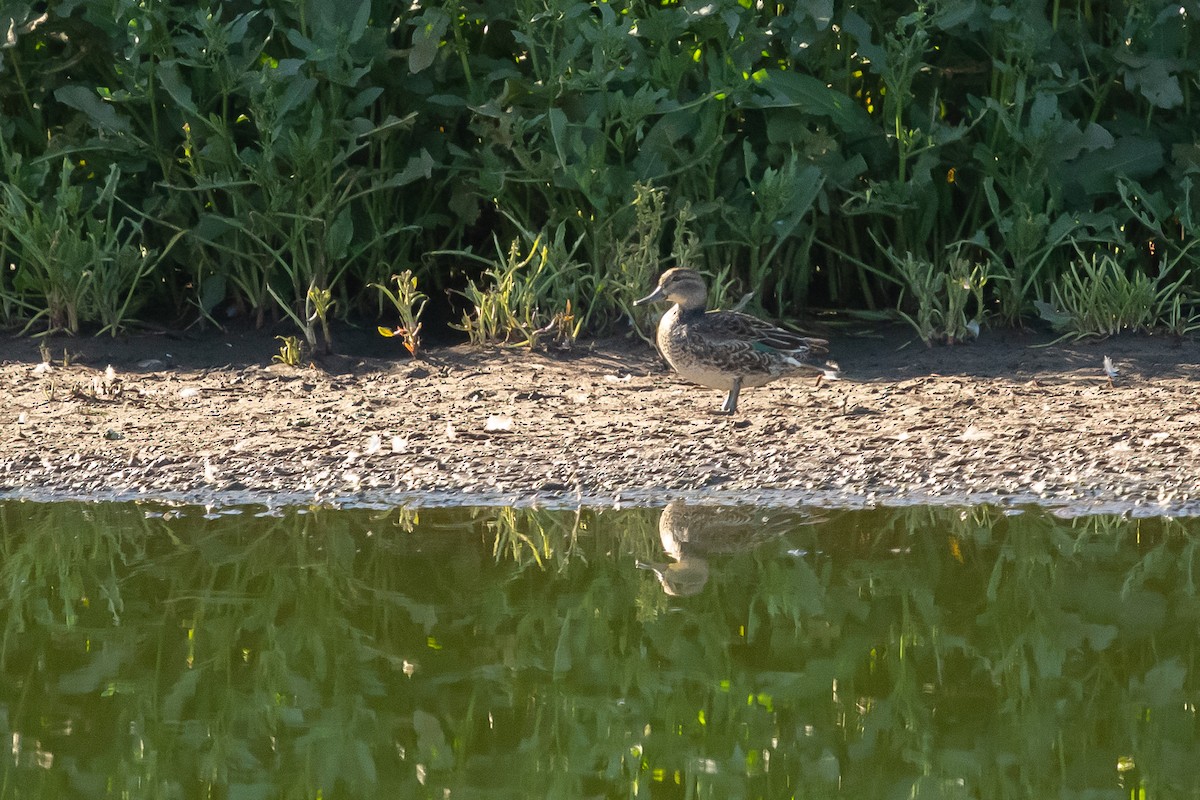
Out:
{"x": 154, "y": 652}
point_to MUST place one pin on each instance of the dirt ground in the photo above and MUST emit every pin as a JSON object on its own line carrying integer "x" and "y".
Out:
{"x": 211, "y": 419}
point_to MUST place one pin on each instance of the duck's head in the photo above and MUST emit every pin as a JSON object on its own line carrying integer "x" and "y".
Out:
{"x": 679, "y": 285}
{"x": 682, "y": 578}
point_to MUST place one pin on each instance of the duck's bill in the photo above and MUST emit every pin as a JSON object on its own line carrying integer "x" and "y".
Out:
{"x": 657, "y": 294}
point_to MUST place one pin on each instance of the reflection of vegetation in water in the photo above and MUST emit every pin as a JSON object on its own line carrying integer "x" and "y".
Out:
{"x": 519, "y": 653}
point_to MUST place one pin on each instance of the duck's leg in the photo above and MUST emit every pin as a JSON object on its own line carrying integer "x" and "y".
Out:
{"x": 730, "y": 406}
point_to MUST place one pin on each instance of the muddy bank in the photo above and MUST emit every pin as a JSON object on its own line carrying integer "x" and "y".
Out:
{"x": 211, "y": 419}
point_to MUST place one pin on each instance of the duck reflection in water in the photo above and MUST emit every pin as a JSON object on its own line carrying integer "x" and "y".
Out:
{"x": 690, "y": 534}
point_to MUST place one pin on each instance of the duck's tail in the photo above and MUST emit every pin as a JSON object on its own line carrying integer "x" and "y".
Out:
{"x": 793, "y": 344}
{"x": 816, "y": 347}
{"x": 828, "y": 371}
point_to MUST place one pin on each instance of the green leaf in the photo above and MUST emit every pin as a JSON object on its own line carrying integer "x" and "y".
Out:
{"x": 1151, "y": 78}
{"x": 212, "y": 292}
{"x": 954, "y": 14}
{"x": 563, "y": 660}
{"x": 180, "y": 92}
{"x": 1057, "y": 319}
{"x": 182, "y": 691}
{"x": 464, "y": 202}
{"x": 558, "y": 129}
{"x": 211, "y": 227}
{"x": 819, "y": 11}
{"x": 1097, "y": 171}
{"x": 431, "y": 739}
{"x": 419, "y": 166}
{"x": 1042, "y": 112}
{"x": 1099, "y": 637}
{"x": 427, "y": 36}
{"x": 860, "y": 29}
{"x": 102, "y": 114}
{"x": 1096, "y": 136}
{"x": 363, "y": 100}
{"x": 1186, "y": 156}
{"x": 364, "y": 762}
{"x": 361, "y": 18}
{"x": 786, "y": 89}
{"x": 100, "y": 667}
{"x": 251, "y": 791}
{"x": 299, "y": 89}
{"x": 339, "y": 235}
{"x": 1163, "y": 683}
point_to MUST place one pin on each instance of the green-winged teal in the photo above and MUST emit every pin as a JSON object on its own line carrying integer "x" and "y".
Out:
{"x": 691, "y": 533}
{"x": 724, "y": 349}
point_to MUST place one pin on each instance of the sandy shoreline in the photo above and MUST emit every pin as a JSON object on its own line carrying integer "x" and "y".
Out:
{"x": 210, "y": 419}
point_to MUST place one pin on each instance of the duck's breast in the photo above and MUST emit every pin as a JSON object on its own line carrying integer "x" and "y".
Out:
{"x": 705, "y": 362}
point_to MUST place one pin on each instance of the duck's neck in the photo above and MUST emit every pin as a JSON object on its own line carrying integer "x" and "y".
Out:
{"x": 691, "y": 310}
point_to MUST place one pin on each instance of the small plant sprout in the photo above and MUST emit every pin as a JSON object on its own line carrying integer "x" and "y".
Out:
{"x": 290, "y": 351}
{"x": 317, "y": 305}
{"x": 410, "y": 304}
{"x": 563, "y": 329}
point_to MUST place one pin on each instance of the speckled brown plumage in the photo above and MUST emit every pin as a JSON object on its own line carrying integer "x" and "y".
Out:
{"x": 724, "y": 349}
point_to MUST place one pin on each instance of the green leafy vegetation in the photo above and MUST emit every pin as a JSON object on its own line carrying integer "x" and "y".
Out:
{"x": 272, "y": 161}
{"x": 949, "y": 301}
{"x": 1096, "y": 297}
{"x": 506, "y": 306}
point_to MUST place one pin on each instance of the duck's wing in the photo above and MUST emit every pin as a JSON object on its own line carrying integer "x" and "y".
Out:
{"x": 733, "y": 356}
{"x": 759, "y": 335}
{"x": 726, "y": 341}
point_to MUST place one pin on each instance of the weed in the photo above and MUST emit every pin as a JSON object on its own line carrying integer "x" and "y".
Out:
{"x": 76, "y": 254}
{"x": 1098, "y": 296}
{"x": 1180, "y": 316}
{"x": 508, "y": 308}
{"x": 639, "y": 262}
{"x": 537, "y": 539}
{"x": 54, "y": 261}
{"x": 291, "y": 351}
{"x": 942, "y": 295}
{"x": 638, "y": 259}
{"x": 409, "y": 303}
{"x": 317, "y": 304}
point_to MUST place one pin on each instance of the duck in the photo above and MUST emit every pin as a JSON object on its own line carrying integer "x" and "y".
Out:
{"x": 691, "y": 533}
{"x": 725, "y": 350}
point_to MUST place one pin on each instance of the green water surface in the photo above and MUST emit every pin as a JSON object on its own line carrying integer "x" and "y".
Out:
{"x": 158, "y": 652}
